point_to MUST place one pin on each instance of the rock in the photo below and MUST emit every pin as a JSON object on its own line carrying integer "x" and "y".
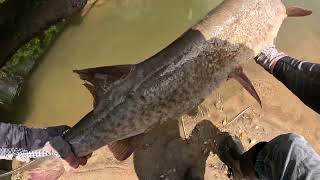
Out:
{"x": 252, "y": 141}
{"x": 224, "y": 122}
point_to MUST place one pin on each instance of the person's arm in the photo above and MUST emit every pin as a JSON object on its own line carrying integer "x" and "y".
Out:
{"x": 300, "y": 77}
{"x": 22, "y": 143}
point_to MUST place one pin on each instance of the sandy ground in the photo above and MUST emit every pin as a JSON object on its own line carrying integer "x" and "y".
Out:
{"x": 166, "y": 155}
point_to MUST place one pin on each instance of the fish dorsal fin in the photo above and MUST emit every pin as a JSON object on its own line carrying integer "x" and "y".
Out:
{"x": 297, "y": 12}
{"x": 100, "y": 79}
{"x": 123, "y": 149}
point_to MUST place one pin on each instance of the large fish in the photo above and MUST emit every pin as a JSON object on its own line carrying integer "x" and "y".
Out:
{"x": 130, "y": 99}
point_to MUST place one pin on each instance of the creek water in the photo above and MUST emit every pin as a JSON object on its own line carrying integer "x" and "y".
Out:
{"x": 125, "y": 32}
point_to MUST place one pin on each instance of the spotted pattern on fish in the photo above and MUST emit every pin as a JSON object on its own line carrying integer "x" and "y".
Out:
{"x": 182, "y": 75}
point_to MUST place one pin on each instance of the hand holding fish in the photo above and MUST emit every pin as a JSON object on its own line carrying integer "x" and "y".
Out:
{"x": 299, "y": 76}
{"x": 63, "y": 150}
{"x": 269, "y": 57}
{"x": 65, "y": 161}
{"x": 24, "y": 144}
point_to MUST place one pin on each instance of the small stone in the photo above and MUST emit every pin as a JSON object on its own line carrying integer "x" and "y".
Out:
{"x": 240, "y": 135}
{"x": 205, "y": 143}
{"x": 224, "y": 122}
{"x": 257, "y": 127}
{"x": 162, "y": 176}
{"x": 252, "y": 141}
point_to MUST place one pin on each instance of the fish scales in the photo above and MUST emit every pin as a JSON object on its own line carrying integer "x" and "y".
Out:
{"x": 181, "y": 76}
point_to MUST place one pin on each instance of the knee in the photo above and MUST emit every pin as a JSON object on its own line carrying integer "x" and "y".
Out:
{"x": 293, "y": 137}
{"x": 288, "y": 139}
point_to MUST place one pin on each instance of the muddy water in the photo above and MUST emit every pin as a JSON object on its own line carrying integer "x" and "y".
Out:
{"x": 128, "y": 31}
{"x": 300, "y": 37}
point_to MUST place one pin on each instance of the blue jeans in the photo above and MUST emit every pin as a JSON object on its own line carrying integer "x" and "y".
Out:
{"x": 288, "y": 157}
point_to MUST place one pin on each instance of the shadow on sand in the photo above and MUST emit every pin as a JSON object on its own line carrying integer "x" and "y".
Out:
{"x": 166, "y": 155}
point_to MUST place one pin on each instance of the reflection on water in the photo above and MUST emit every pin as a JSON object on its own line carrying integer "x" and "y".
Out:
{"x": 128, "y": 31}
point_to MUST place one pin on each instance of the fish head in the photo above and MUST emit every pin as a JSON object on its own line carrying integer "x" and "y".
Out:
{"x": 246, "y": 27}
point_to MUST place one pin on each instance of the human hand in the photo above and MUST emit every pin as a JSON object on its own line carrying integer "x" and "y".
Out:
{"x": 64, "y": 161}
{"x": 59, "y": 147}
{"x": 269, "y": 57}
{"x": 54, "y": 168}
{"x": 67, "y": 157}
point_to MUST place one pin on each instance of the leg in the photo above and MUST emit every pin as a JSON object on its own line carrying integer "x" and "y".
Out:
{"x": 288, "y": 156}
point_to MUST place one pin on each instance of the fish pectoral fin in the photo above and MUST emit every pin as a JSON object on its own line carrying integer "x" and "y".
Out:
{"x": 242, "y": 78}
{"x": 99, "y": 79}
{"x": 298, "y": 12}
{"x": 123, "y": 149}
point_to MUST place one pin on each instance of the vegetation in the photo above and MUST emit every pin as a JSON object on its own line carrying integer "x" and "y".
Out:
{"x": 21, "y": 22}
{"x": 14, "y": 73}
